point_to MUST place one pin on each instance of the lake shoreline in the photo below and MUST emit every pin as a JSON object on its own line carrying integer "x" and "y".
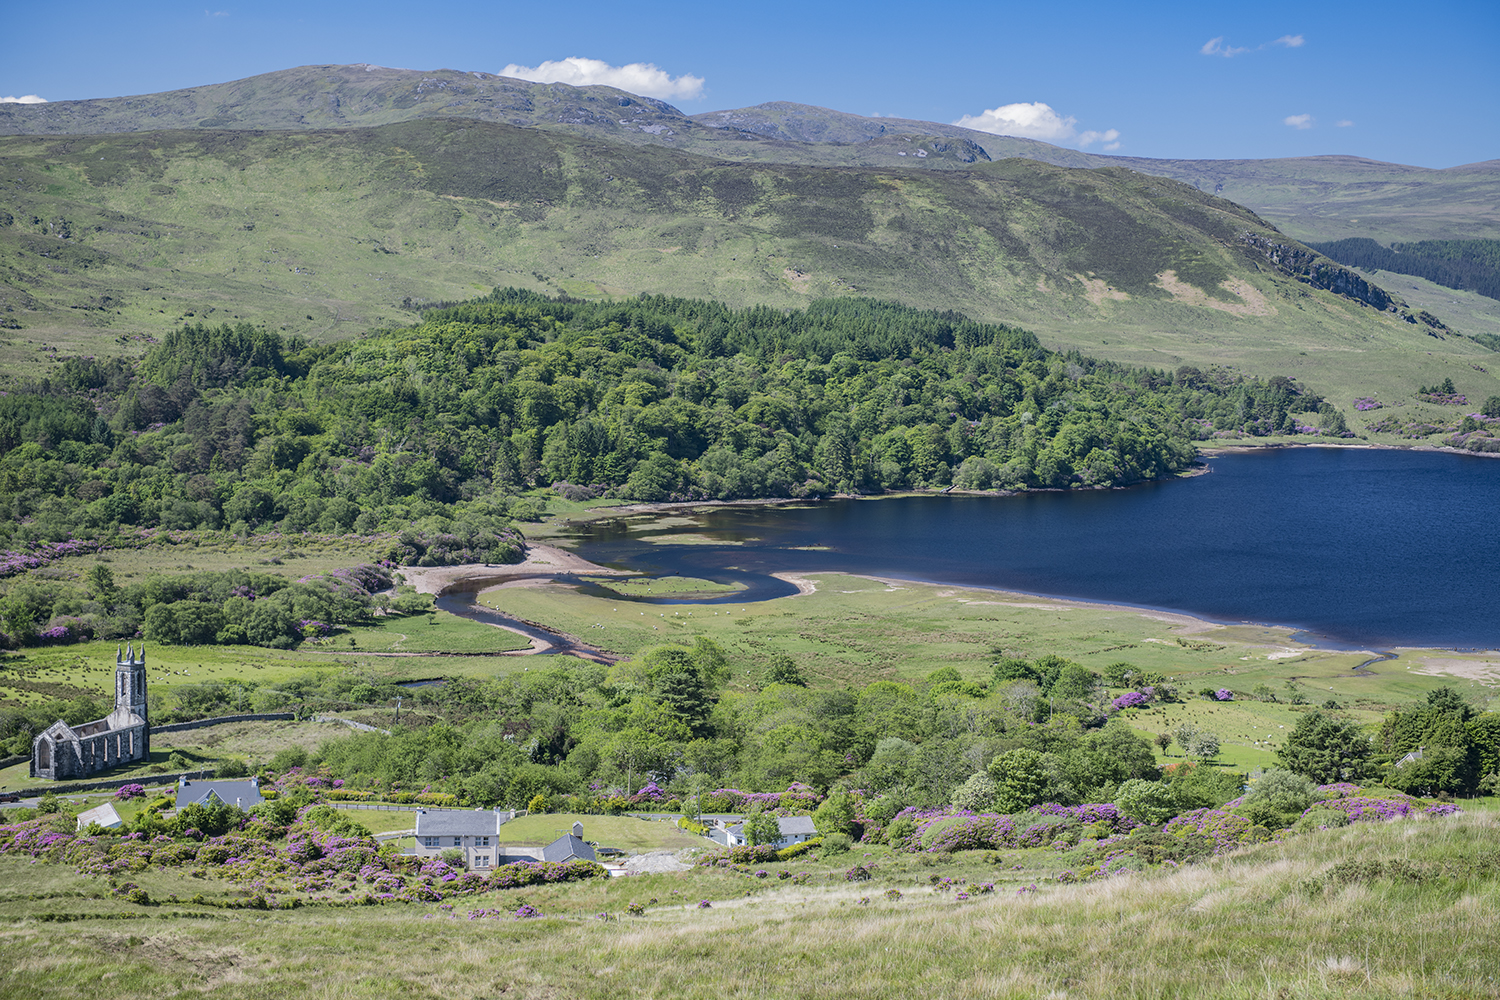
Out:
{"x": 1199, "y": 468}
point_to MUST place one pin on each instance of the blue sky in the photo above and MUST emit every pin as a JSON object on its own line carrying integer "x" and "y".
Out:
{"x": 1410, "y": 83}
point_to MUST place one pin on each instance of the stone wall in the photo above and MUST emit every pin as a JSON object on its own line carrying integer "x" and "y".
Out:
{"x": 178, "y": 727}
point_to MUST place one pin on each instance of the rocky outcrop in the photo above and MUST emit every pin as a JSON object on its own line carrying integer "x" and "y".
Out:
{"x": 1312, "y": 268}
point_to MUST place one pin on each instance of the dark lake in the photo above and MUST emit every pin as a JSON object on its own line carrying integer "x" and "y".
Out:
{"x": 1362, "y": 547}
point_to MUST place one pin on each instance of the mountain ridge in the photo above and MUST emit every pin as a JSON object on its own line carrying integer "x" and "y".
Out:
{"x": 328, "y": 233}
{"x": 1309, "y": 198}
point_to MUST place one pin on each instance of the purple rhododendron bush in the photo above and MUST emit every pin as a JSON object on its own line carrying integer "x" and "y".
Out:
{"x": 1101, "y": 841}
{"x": 280, "y": 868}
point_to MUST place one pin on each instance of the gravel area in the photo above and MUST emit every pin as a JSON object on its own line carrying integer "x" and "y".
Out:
{"x": 655, "y": 861}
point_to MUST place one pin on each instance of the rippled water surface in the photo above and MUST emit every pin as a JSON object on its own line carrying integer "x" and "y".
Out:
{"x": 1375, "y": 548}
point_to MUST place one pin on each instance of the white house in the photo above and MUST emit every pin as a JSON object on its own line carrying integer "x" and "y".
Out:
{"x": 477, "y": 835}
{"x": 793, "y": 830}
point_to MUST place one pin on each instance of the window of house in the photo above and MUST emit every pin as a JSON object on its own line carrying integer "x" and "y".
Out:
{"x": 481, "y": 842}
{"x": 429, "y": 841}
{"x": 481, "y": 861}
{"x": 458, "y": 841}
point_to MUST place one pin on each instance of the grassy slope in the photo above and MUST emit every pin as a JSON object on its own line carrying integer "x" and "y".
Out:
{"x": 342, "y": 226}
{"x": 1319, "y": 197}
{"x": 1245, "y": 925}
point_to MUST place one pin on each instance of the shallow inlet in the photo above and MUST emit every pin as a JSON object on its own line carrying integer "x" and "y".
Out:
{"x": 1369, "y": 549}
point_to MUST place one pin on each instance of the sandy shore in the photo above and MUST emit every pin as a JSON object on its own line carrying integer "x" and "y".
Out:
{"x": 1235, "y": 448}
{"x": 542, "y": 562}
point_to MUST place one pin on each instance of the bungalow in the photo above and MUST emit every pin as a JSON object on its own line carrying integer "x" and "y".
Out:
{"x": 477, "y": 835}
{"x": 793, "y": 830}
{"x": 244, "y": 794}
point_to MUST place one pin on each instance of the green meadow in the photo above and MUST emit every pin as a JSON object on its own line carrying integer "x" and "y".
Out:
{"x": 1318, "y": 916}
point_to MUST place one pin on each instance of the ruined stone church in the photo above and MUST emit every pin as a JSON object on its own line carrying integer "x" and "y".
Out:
{"x": 121, "y": 737}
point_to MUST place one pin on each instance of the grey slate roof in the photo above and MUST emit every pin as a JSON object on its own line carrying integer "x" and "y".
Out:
{"x": 790, "y": 826}
{"x": 479, "y": 823}
{"x": 566, "y": 847}
{"x": 246, "y": 792}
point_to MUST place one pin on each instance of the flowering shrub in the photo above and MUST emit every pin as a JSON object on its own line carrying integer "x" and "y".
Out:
{"x": 526, "y": 912}
{"x": 859, "y": 873}
{"x": 1089, "y": 814}
{"x": 1224, "y": 694}
{"x": 1366, "y": 403}
{"x": 1364, "y": 809}
{"x": 1225, "y": 830}
{"x": 1444, "y": 398}
{"x": 43, "y": 553}
{"x": 1130, "y": 699}
{"x": 1338, "y": 790}
{"x": 744, "y": 854}
{"x": 893, "y": 894}
{"x": 704, "y": 904}
{"x": 798, "y": 798}
{"x": 131, "y": 791}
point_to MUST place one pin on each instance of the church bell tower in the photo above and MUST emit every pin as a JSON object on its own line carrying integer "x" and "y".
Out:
{"x": 130, "y": 687}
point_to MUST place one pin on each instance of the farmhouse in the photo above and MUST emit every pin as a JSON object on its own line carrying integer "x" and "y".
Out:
{"x": 477, "y": 835}
{"x": 121, "y": 737}
{"x": 793, "y": 830}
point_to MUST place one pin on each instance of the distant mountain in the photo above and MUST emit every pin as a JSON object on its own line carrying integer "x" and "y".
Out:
{"x": 106, "y": 239}
{"x": 1309, "y": 198}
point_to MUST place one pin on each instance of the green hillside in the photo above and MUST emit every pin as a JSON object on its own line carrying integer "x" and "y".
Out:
{"x": 115, "y": 238}
{"x": 1309, "y": 198}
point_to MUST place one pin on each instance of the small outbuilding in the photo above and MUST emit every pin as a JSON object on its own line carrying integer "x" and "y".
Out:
{"x": 569, "y": 847}
{"x": 104, "y": 815}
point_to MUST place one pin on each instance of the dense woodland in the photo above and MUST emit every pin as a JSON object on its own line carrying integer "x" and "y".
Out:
{"x": 428, "y": 437}
{"x": 439, "y": 425}
{"x": 1471, "y": 265}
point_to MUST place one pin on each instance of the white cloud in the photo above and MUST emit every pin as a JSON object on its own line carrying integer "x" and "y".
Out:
{"x": 28, "y": 99}
{"x": 637, "y": 78}
{"x": 1031, "y": 121}
{"x": 1298, "y": 121}
{"x": 1216, "y": 47}
{"x": 1345, "y": 123}
{"x": 1037, "y": 121}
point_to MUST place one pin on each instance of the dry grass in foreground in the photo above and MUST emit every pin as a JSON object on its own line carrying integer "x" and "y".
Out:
{"x": 1400, "y": 909}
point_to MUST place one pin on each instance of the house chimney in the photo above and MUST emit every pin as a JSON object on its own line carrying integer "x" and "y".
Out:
{"x": 578, "y": 829}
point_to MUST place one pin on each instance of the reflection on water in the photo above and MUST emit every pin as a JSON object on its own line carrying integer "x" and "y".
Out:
{"x": 1364, "y": 547}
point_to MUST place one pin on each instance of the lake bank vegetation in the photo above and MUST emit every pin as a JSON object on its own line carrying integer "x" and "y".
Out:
{"x": 419, "y": 443}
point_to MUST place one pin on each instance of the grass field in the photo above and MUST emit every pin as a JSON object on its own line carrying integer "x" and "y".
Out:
{"x": 853, "y": 630}
{"x": 1249, "y": 925}
{"x": 625, "y": 832}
